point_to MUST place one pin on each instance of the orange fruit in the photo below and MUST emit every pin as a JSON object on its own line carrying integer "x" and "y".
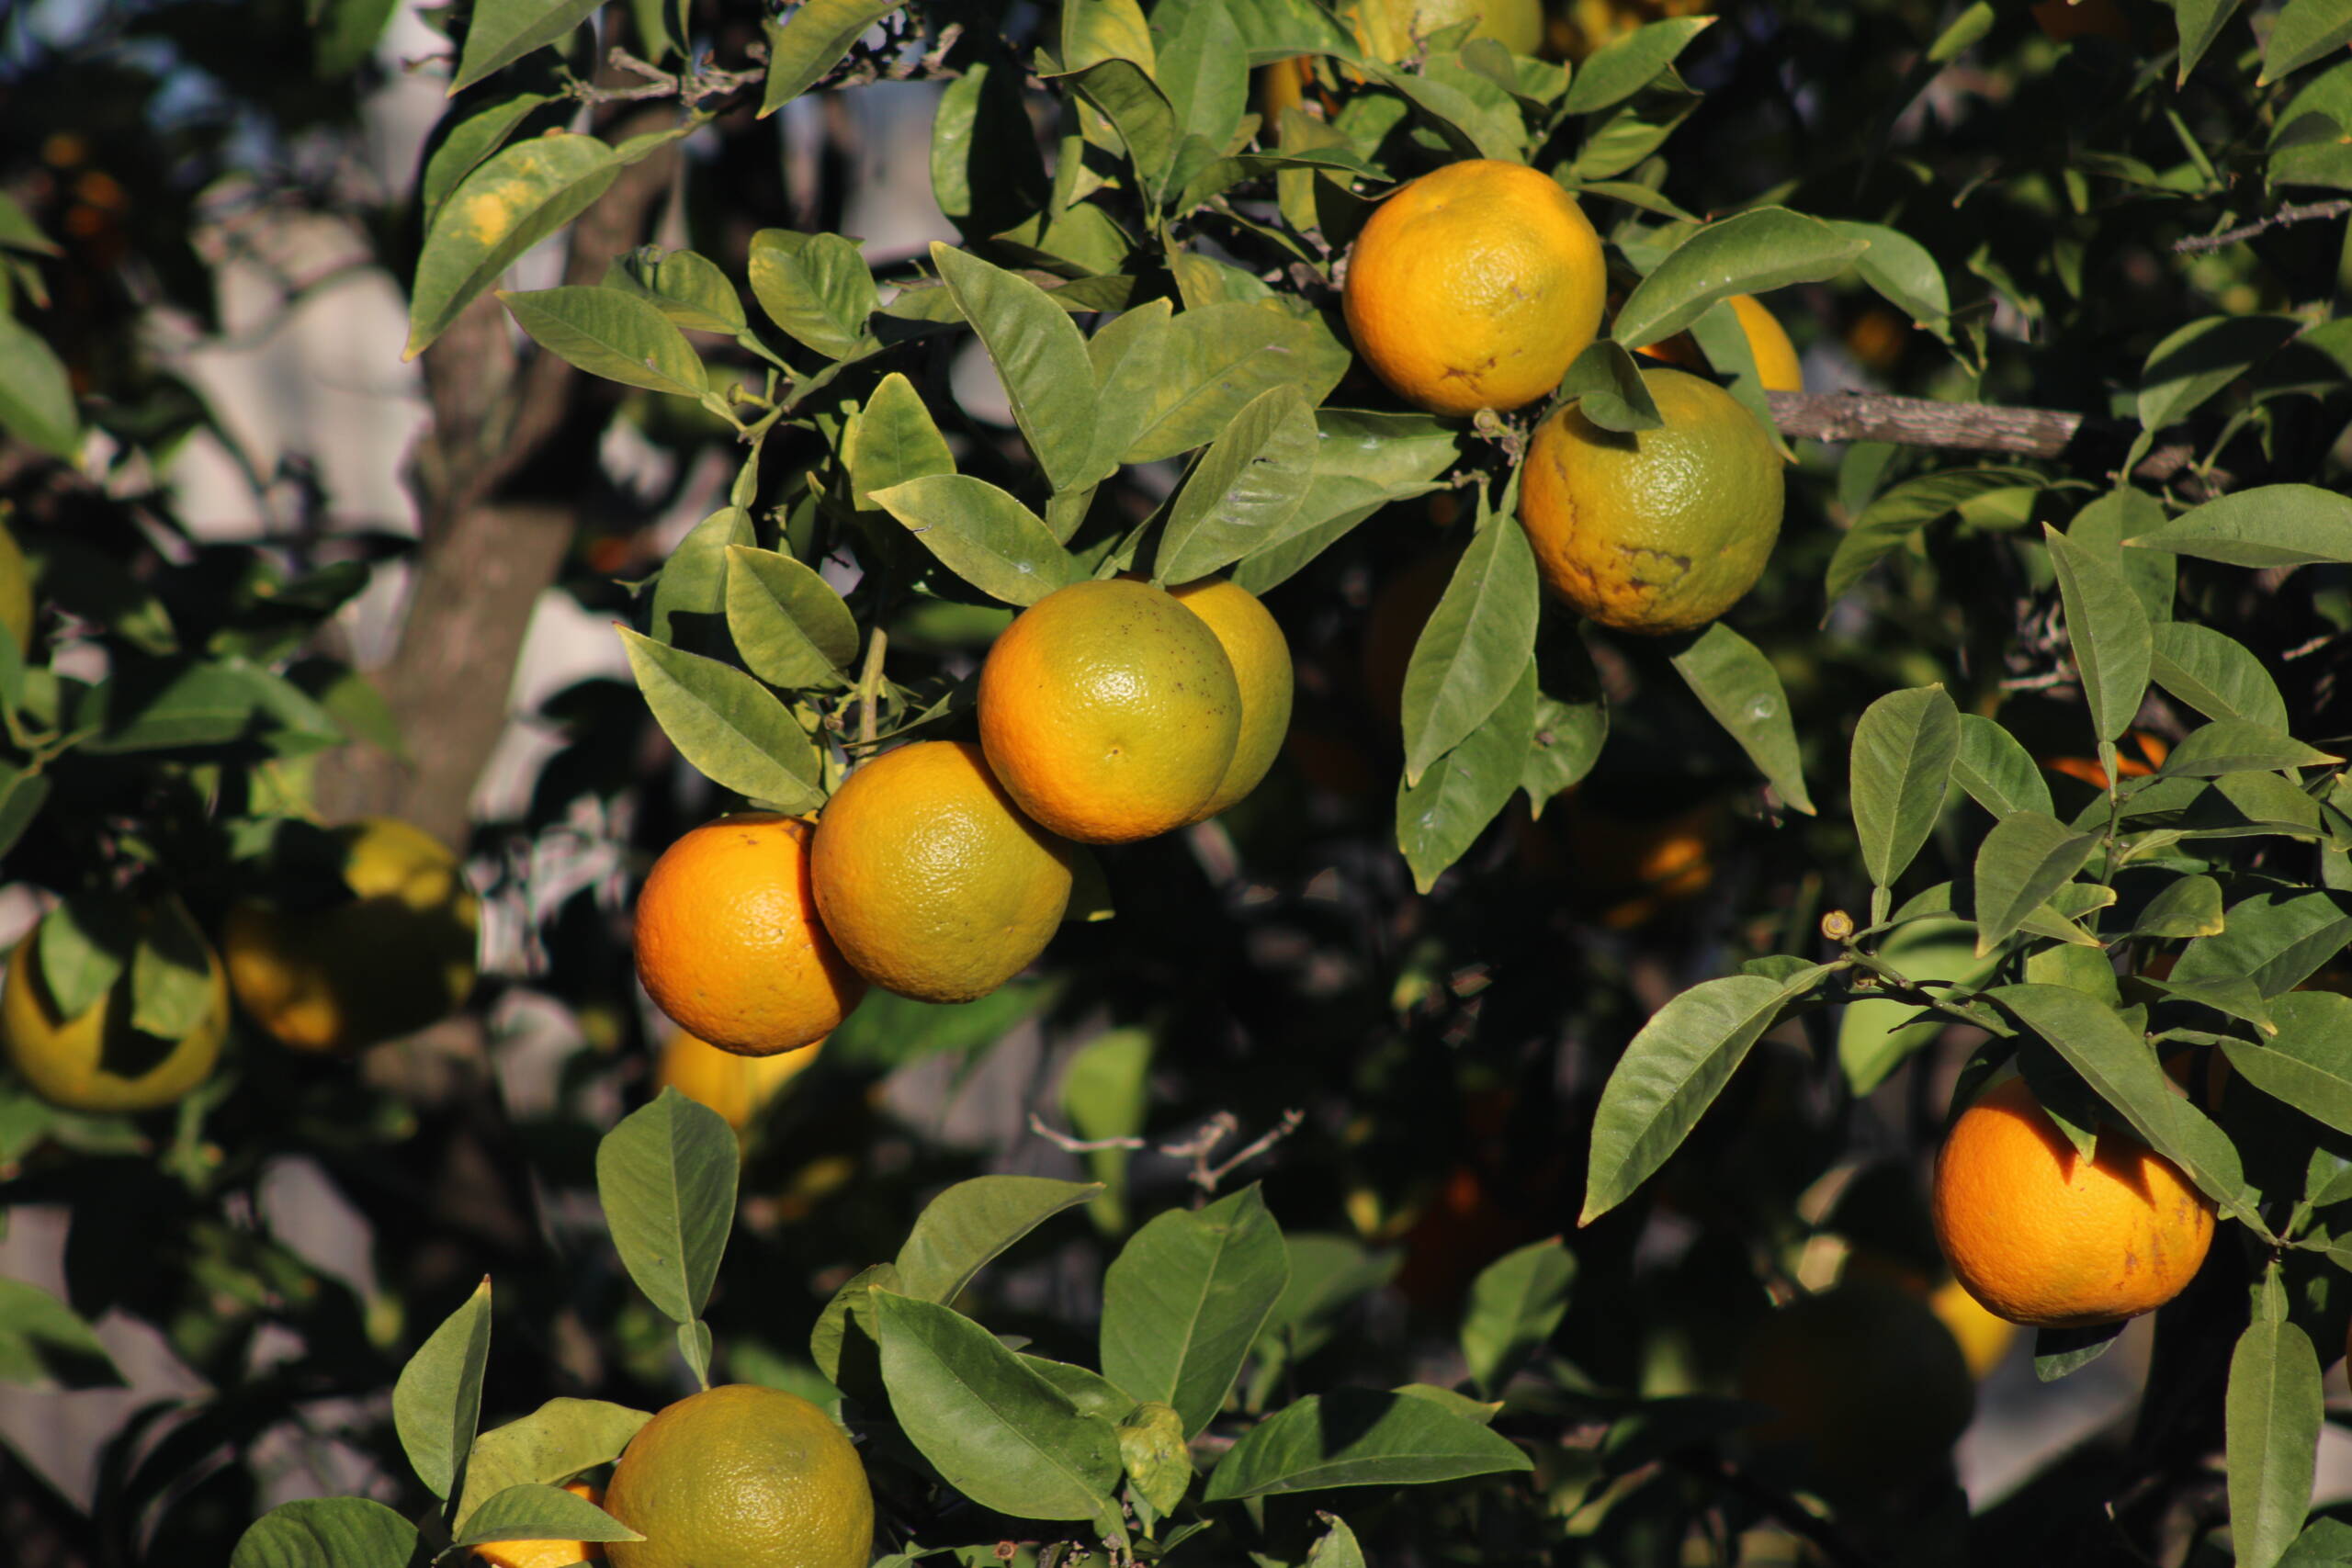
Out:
{"x": 1642, "y": 867}
{"x": 1259, "y": 654}
{"x": 1871, "y": 1388}
{"x": 2043, "y": 1237}
{"x": 545, "y": 1553}
{"x": 742, "y": 1477}
{"x": 729, "y": 942}
{"x": 394, "y": 954}
{"x": 1473, "y": 288}
{"x": 2087, "y": 769}
{"x": 1658, "y": 530}
{"x": 1777, "y": 366}
{"x": 1984, "y": 1339}
{"x": 97, "y": 1061}
{"x": 930, "y": 878}
{"x": 1110, "y": 712}
{"x": 731, "y": 1083}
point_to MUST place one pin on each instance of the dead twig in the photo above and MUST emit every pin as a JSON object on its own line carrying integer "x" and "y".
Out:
{"x": 2304, "y": 213}
{"x": 1199, "y": 1148}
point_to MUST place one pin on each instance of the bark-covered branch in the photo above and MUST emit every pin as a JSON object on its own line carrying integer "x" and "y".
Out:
{"x": 2050, "y": 433}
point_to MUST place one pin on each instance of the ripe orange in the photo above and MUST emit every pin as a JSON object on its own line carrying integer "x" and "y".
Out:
{"x": 394, "y": 955}
{"x": 1473, "y": 288}
{"x": 1777, "y": 366}
{"x": 1110, "y": 712}
{"x": 2042, "y": 1238}
{"x": 1871, "y": 1389}
{"x": 97, "y": 1062}
{"x": 742, "y": 1477}
{"x": 735, "y": 1086}
{"x": 1642, "y": 867}
{"x": 1659, "y": 531}
{"x": 729, "y": 943}
{"x": 930, "y": 878}
{"x": 1255, "y": 647}
{"x": 545, "y": 1553}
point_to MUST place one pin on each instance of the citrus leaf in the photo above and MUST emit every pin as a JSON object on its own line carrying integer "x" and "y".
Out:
{"x": 436, "y": 1400}
{"x": 687, "y": 289}
{"x": 993, "y": 1428}
{"x": 2108, "y": 629}
{"x": 1903, "y": 748}
{"x": 2304, "y": 32}
{"x": 45, "y": 1344}
{"x": 959, "y": 1231}
{"x": 534, "y": 1512}
{"x": 1176, "y": 389}
{"x": 1203, "y": 70}
{"x": 328, "y": 1532}
{"x": 1624, "y": 66}
{"x": 816, "y": 37}
{"x": 791, "y": 627}
{"x": 471, "y": 139}
{"x": 1124, "y": 92}
{"x": 2277, "y": 939}
{"x": 1901, "y": 512}
{"x": 2304, "y": 1064}
{"x": 2026, "y": 857}
{"x": 2184, "y": 907}
{"x": 2196, "y": 361}
{"x": 2272, "y": 1415}
{"x": 1438, "y": 819}
{"x": 171, "y": 975}
{"x": 1354, "y": 1436}
{"x": 1364, "y": 461}
{"x": 727, "y": 725}
{"x": 1766, "y": 248}
{"x": 1902, "y": 270}
{"x": 1476, "y": 646}
{"x": 893, "y": 440}
{"x": 502, "y": 31}
{"x": 36, "y": 395}
{"x": 693, "y": 580}
{"x": 1672, "y": 1072}
{"x": 2269, "y": 526}
{"x": 815, "y": 287}
{"x": 1185, "y": 1298}
{"x": 1039, "y": 354}
{"x": 666, "y": 1177}
{"x": 2216, "y": 675}
{"x": 551, "y": 1446}
{"x": 606, "y": 332}
{"x": 1734, "y": 682}
{"x": 2199, "y": 22}
{"x": 1997, "y": 773}
{"x": 2237, "y": 745}
{"x": 1152, "y": 1450}
{"x": 1244, "y": 491}
{"x": 1606, "y": 386}
{"x": 986, "y": 172}
{"x": 1515, "y": 1304}
{"x": 512, "y": 201}
{"x": 982, "y": 535}
{"x": 85, "y": 946}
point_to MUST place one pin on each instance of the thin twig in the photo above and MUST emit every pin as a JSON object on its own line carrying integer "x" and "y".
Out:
{"x": 1207, "y": 1179}
{"x": 698, "y": 81}
{"x": 1068, "y": 1144}
{"x": 869, "y": 688}
{"x": 2285, "y": 215}
{"x": 1198, "y": 1148}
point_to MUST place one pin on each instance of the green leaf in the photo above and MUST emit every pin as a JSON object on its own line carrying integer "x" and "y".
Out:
{"x": 1202, "y": 70}
{"x": 19, "y": 232}
{"x": 36, "y": 395}
{"x": 1672, "y": 1072}
{"x": 2266, "y": 526}
{"x": 1145, "y": 121}
{"x": 2104, "y": 524}
{"x": 1474, "y": 118}
{"x": 993, "y": 1428}
{"x": 1040, "y": 356}
{"x": 1364, "y": 462}
{"x": 470, "y": 141}
{"x": 2184, "y": 907}
{"x": 2305, "y": 1064}
{"x": 982, "y": 535}
{"x": 1475, "y": 649}
{"x": 1606, "y": 386}
{"x": 45, "y": 1344}
{"x": 1765, "y": 248}
{"x": 1185, "y": 1299}
{"x": 1902, "y": 270}
{"x": 1438, "y": 819}
{"x": 692, "y": 582}
{"x": 1901, "y": 512}
{"x": 2114, "y": 1059}
{"x": 1878, "y": 1033}
{"x": 437, "y": 1399}
{"x": 85, "y": 946}
{"x": 1515, "y": 1304}
{"x": 791, "y": 627}
{"x": 815, "y": 287}
{"x": 666, "y": 1177}
{"x": 1091, "y": 1392}
{"x": 1244, "y": 491}
{"x": 1736, "y": 682}
{"x": 986, "y": 172}
{"x": 1619, "y": 69}
{"x": 1152, "y": 1449}
{"x": 22, "y": 795}
{"x": 2271, "y": 1420}
{"x": 2325, "y": 1543}
{"x": 606, "y": 332}
{"x": 228, "y": 702}
{"x": 959, "y": 1231}
{"x": 816, "y": 37}
{"x": 2196, "y": 361}
{"x": 1904, "y": 748}
{"x": 2304, "y": 32}
{"x": 2217, "y": 675}
{"x": 843, "y": 1343}
{"x": 171, "y": 975}
{"x": 1997, "y": 773}
{"x": 2200, "y": 23}
{"x": 1178, "y": 388}
{"x": 2277, "y": 939}
{"x": 2237, "y": 745}
{"x": 328, "y": 1532}
{"x": 502, "y": 31}
{"x": 727, "y": 725}
{"x": 893, "y": 440}
{"x": 1356, "y": 1437}
{"x": 2026, "y": 857}
{"x": 508, "y": 204}
{"x": 1338, "y": 1547}
{"x": 551, "y": 1446}
{"x": 1095, "y": 31}
{"x": 534, "y": 1512}
{"x": 687, "y": 289}
{"x": 2109, "y": 631}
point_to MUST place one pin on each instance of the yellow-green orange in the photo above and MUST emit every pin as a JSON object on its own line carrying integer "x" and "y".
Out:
{"x": 729, "y": 942}
{"x": 742, "y": 1477}
{"x": 2044, "y": 1237}
{"x": 1110, "y": 712}
{"x": 1259, "y": 654}
{"x": 731, "y": 1083}
{"x": 1661, "y": 530}
{"x": 1871, "y": 1388}
{"x": 931, "y": 880}
{"x": 97, "y": 1061}
{"x": 393, "y": 955}
{"x": 1473, "y": 286}
{"x": 15, "y": 593}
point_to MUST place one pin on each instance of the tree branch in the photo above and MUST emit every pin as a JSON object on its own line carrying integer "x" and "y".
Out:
{"x": 2050, "y": 433}
{"x": 2285, "y": 215}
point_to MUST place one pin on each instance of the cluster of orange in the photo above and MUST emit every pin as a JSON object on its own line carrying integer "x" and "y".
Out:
{"x": 1109, "y": 712}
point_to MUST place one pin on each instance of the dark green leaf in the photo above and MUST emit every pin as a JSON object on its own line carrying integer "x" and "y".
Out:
{"x": 44, "y": 1343}
{"x": 1355, "y": 1437}
{"x": 2197, "y": 360}
{"x": 2026, "y": 857}
{"x": 1902, "y": 270}
{"x": 1734, "y": 682}
{"x": 1766, "y": 247}
{"x": 1245, "y": 489}
{"x": 2058, "y": 1351}
{"x": 171, "y": 975}
{"x": 2272, "y": 1419}
{"x": 2266, "y": 526}
{"x": 727, "y": 725}
{"x": 535, "y": 1512}
{"x": 2109, "y": 631}
{"x": 1622, "y": 67}
{"x": 1997, "y": 773}
{"x": 85, "y": 944}
{"x": 986, "y": 172}
{"x": 811, "y": 41}
{"x": 1894, "y": 516}
{"x": 972, "y": 1221}
{"x": 2304, "y": 32}
{"x": 1134, "y": 104}
{"x": 329, "y": 1532}
{"x": 1474, "y": 648}
{"x": 1185, "y": 1298}
{"x": 502, "y": 31}
{"x": 36, "y": 395}
{"x": 2184, "y": 907}
{"x": 2200, "y": 23}
{"x": 1904, "y": 748}
{"x": 1438, "y": 819}
{"x": 551, "y": 1446}
{"x": 2237, "y": 745}
{"x": 693, "y": 580}
{"x": 666, "y": 1177}
{"x": 2306, "y": 1064}
{"x": 1515, "y": 1304}
{"x": 437, "y": 1399}
{"x": 1605, "y": 384}
{"x": 2277, "y": 939}
{"x": 2217, "y": 675}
